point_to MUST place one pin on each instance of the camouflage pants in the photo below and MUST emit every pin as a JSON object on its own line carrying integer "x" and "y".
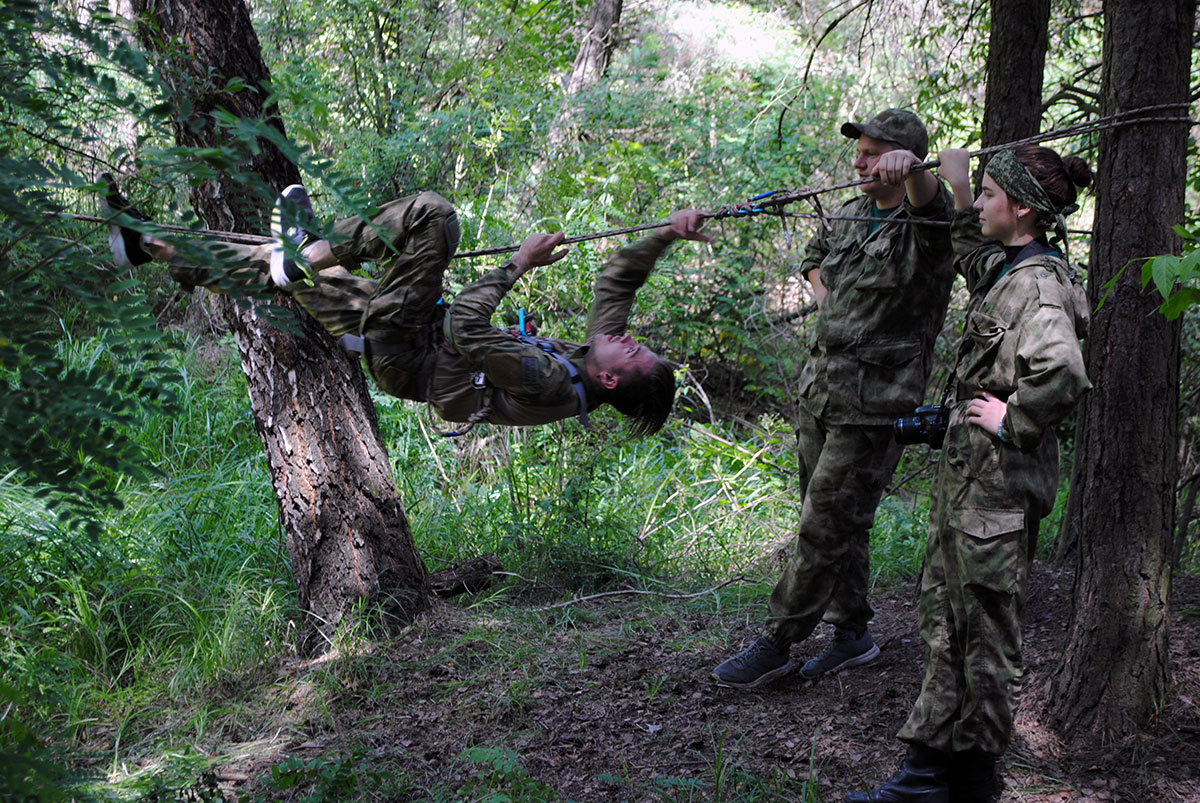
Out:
{"x": 413, "y": 238}
{"x": 982, "y": 533}
{"x": 844, "y": 470}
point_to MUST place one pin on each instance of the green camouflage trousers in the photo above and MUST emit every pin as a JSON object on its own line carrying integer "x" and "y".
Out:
{"x": 843, "y": 472}
{"x": 412, "y": 239}
{"x": 987, "y": 502}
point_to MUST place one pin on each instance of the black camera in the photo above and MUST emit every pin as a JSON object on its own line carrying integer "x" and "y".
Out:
{"x": 925, "y": 425}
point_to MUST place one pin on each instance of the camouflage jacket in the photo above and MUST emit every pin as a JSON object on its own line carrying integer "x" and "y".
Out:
{"x": 1022, "y": 335}
{"x": 886, "y": 301}
{"x": 525, "y": 385}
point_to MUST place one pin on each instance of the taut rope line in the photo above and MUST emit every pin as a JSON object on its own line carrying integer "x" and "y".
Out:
{"x": 768, "y": 203}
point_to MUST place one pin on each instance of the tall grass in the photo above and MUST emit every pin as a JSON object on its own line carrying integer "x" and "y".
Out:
{"x": 184, "y": 588}
{"x": 137, "y": 640}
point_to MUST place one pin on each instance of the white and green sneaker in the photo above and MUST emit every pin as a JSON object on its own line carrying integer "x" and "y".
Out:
{"x": 293, "y": 228}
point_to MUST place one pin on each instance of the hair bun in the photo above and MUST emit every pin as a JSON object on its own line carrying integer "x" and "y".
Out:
{"x": 1078, "y": 171}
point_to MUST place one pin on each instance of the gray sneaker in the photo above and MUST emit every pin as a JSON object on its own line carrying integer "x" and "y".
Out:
{"x": 847, "y": 649}
{"x": 754, "y": 666}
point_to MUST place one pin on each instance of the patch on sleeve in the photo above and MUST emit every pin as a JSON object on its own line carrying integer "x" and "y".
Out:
{"x": 1050, "y": 288}
{"x": 529, "y": 372}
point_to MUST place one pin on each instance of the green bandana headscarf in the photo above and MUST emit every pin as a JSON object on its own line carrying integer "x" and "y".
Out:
{"x": 1020, "y": 185}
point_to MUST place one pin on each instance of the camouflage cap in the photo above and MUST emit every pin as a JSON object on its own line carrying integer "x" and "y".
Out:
{"x": 898, "y": 126}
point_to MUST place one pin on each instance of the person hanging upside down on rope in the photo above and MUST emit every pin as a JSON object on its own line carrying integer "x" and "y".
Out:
{"x": 450, "y": 356}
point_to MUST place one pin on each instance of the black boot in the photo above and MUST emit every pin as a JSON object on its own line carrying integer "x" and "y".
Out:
{"x": 973, "y": 777}
{"x": 921, "y": 779}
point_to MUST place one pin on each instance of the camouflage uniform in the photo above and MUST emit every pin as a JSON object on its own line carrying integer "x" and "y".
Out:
{"x": 430, "y": 353}
{"x": 1022, "y": 346}
{"x": 886, "y": 301}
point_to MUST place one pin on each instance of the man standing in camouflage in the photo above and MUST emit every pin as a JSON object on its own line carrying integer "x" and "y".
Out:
{"x": 882, "y": 287}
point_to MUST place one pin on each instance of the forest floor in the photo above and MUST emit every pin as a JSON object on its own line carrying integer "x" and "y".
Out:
{"x": 611, "y": 700}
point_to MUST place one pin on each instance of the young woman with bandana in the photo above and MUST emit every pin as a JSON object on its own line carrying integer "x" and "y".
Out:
{"x": 1019, "y": 372}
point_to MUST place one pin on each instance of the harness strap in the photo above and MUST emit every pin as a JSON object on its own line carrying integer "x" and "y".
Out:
{"x": 362, "y": 345}
{"x": 576, "y": 377}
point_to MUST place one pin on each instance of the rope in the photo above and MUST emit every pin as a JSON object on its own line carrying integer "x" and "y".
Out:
{"x": 767, "y": 203}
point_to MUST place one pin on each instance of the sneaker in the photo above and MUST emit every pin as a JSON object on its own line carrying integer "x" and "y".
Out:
{"x": 126, "y": 243}
{"x": 847, "y": 649}
{"x": 754, "y": 666}
{"x": 293, "y": 228}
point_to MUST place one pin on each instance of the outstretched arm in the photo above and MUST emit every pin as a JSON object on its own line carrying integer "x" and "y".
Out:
{"x": 626, "y": 271}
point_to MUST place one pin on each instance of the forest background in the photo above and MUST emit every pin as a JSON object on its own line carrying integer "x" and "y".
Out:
{"x": 148, "y": 597}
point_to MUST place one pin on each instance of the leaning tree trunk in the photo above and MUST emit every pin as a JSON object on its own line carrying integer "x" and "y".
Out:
{"x": 591, "y": 63}
{"x": 347, "y": 537}
{"x": 1114, "y": 673}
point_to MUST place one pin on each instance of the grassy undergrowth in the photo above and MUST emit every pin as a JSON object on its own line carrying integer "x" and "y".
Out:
{"x": 137, "y": 658}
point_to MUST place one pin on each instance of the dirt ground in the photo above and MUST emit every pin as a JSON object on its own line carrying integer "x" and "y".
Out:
{"x": 618, "y": 705}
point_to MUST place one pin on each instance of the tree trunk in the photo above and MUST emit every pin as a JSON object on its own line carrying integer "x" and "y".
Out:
{"x": 1015, "y": 66}
{"x": 591, "y": 63}
{"x": 1115, "y": 672}
{"x": 347, "y": 537}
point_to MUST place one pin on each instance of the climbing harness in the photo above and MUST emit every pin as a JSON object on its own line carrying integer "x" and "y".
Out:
{"x": 547, "y": 346}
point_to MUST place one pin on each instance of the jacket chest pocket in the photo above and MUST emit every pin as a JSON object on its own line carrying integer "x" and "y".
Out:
{"x": 987, "y": 357}
{"x": 883, "y": 266}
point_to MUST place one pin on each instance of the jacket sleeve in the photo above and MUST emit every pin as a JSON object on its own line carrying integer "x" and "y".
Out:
{"x": 508, "y": 363}
{"x": 1052, "y": 375}
{"x": 617, "y": 285}
{"x": 815, "y": 251}
{"x": 933, "y": 241}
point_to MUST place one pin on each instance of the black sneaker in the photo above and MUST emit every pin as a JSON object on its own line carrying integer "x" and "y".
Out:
{"x": 847, "y": 649}
{"x": 754, "y": 666}
{"x": 126, "y": 243}
{"x": 293, "y": 228}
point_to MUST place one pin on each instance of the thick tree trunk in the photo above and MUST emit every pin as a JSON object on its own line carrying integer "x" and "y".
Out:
{"x": 347, "y": 537}
{"x": 1114, "y": 672}
{"x": 1016, "y": 62}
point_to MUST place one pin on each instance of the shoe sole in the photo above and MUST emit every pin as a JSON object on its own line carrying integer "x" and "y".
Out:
{"x": 858, "y": 660}
{"x": 761, "y": 680}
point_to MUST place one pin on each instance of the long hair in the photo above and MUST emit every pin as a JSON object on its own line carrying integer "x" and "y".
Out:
{"x": 647, "y": 399}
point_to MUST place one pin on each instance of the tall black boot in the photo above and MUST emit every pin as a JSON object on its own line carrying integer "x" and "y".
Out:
{"x": 921, "y": 779}
{"x": 973, "y": 777}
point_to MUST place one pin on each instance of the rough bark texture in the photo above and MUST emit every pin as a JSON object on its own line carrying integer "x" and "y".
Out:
{"x": 347, "y": 537}
{"x": 1016, "y": 62}
{"x": 1114, "y": 673}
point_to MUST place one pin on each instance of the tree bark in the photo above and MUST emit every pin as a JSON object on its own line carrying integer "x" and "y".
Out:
{"x": 1016, "y": 63}
{"x": 347, "y": 537}
{"x": 1115, "y": 672}
{"x": 591, "y": 63}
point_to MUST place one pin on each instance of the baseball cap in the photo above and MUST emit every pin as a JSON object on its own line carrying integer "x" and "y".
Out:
{"x": 898, "y": 126}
